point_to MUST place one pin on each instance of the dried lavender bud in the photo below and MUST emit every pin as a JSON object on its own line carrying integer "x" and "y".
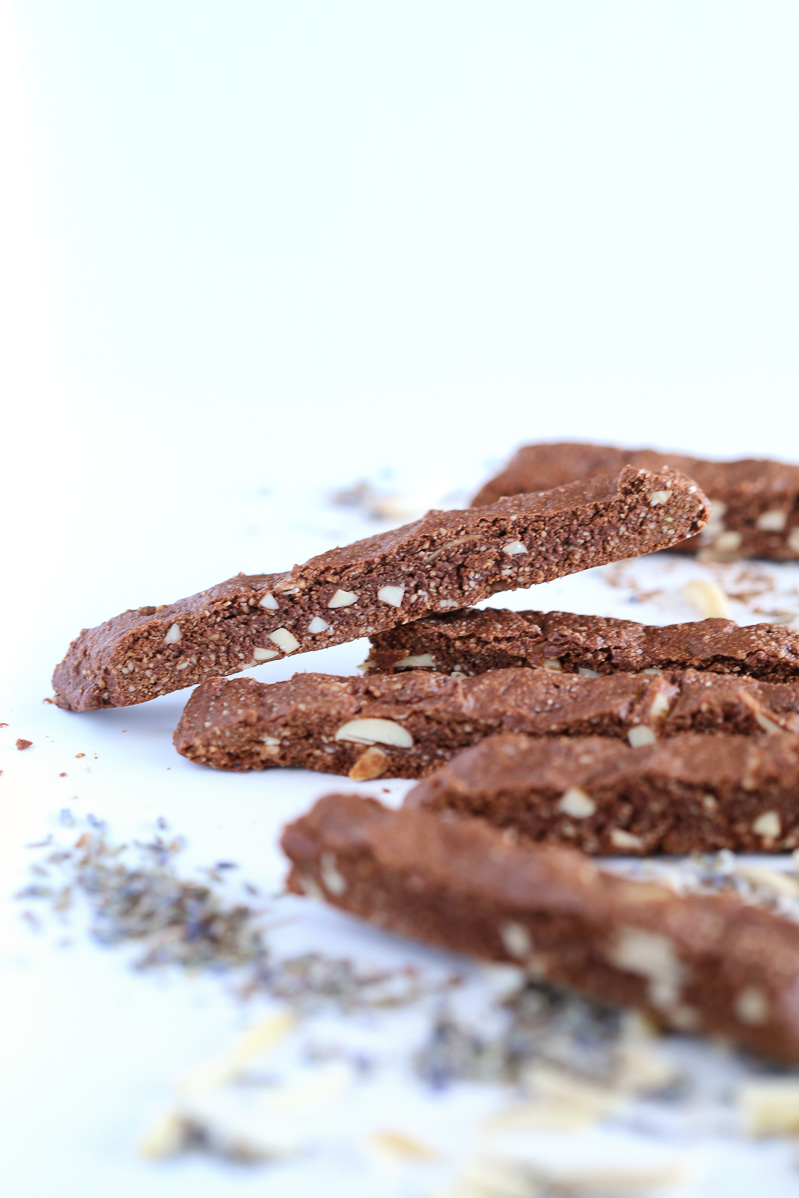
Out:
{"x": 540, "y": 1024}
{"x": 136, "y": 894}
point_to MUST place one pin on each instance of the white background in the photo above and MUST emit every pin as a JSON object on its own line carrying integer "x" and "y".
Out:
{"x": 251, "y": 251}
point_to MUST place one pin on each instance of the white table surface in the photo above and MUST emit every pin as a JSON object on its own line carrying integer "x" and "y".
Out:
{"x": 252, "y": 252}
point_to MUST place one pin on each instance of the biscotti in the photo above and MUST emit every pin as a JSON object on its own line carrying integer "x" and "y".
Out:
{"x": 444, "y": 561}
{"x": 404, "y": 725}
{"x": 754, "y": 502}
{"x": 688, "y": 794}
{"x": 708, "y": 963}
{"x": 472, "y": 642}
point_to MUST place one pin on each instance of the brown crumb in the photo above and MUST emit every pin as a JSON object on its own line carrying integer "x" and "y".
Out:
{"x": 3, "y": 725}
{"x": 62, "y": 775}
{"x": 48, "y": 700}
{"x": 80, "y": 754}
{"x": 23, "y": 744}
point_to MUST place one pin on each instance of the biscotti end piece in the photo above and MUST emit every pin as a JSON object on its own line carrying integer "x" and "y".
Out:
{"x": 472, "y": 642}
{"x": 754, "y": 502}
{"x": 689, "y": 794}
{"x": 444, "y": 561}
{"x": 697, "y": 963}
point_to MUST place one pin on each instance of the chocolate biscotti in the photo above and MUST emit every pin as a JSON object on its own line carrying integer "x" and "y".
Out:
{"x": 754, "y": 503}
{"x": 471, "y": 642}
{"x": 706, "y": 963}
{"x": 688, "y": 794}
{"x": 444, "y": 561}
{"x": 404, "y": 725}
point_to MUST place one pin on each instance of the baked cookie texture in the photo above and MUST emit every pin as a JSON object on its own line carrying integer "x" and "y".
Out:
{"x": 689, "y": 794}
{"x": 444, "y": 561}
{"x": 708, "y": 963}
{"x": 404, "y": 725}
{"x": 754, "y": 502}
{"x": 473, "y": 642}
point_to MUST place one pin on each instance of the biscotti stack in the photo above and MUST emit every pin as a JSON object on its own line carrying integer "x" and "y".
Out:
{"x": 524, "y": 727}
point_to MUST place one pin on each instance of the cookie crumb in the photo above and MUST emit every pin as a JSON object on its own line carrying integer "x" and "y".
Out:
{"x": 23, "y": 744}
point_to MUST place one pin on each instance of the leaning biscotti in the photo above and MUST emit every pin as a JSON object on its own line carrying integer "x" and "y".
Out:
{"x": 754, "y": 502}
{"x": 444, "y": 561}
{"x": 704, "y": 963}
{"x": 404, "y": 725}
{"x": 472, "y": 642}
{"x": 688, "y": 794}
